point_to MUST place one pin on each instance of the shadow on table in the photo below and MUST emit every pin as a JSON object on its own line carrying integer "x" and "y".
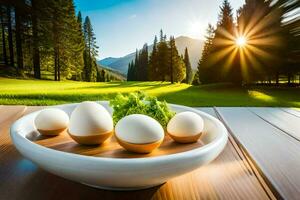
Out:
{"x": 43, "y": 185}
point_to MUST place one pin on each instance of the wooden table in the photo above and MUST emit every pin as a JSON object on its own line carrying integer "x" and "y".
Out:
{"x": 260, "y": 161}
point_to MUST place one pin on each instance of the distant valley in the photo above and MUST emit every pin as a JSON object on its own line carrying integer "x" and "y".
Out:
{"x": 120, "y": 65}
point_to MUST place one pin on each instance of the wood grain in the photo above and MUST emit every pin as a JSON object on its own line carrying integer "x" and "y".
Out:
{"x": 7, "y": 115}
{"x": 287, "y": 122}
{"x": 294, "y": 112}
{"x": 274, "y": 152}
{"x": 228, "y": 177}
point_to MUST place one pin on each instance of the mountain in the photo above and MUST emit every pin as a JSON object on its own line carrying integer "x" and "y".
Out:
{"x": 108, "y": 61}
{"x": 194, "y": 46}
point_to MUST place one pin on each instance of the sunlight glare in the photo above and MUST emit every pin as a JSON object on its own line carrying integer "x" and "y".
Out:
{"x": 241, "y": 41}
{"x": 196, "y": 30}
{"x": 261, "y": 96}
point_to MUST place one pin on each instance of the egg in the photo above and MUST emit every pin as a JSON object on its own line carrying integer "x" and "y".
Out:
{"x": 90, "y": 124}
{"x": 139, "y": 133}
{"x": 185, "y": 127}
{"x": 51, "y": 121}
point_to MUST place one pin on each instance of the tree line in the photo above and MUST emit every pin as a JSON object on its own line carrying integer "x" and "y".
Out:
{"x": 272, "y": 44}
{"x": 271, "y": 52}
{"x": 164, "y": 63}
{"x": 48, "y": 36}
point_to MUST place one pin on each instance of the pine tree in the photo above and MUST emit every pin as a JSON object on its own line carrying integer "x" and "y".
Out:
{"x": 81, "y": 45}
{"x": 173, "y": 58}
{"x": 264, "y": 68}
{"x": 59, "y": 30}
{"x": 189, "y": 71}
{"x": 36, "y": 42}
{"x": 129, "y": 73}
{"x": 153, "y": 65}
{"x": 4, "y": 53}
{"x": 142, "y": 67}
{"x": 91, "y": 51}
{"x": 135, "y": 66}
{"x": 165, "y": 63}
{"x": 103, "y": 73}
{"x": 76, "y": 41}
{"x": 176, "y": 71}
{"x": 132, "y": 68}
{"x": 107, "y": 78}
{"x": 218, "y": 64}
{"x": 226, "y": 71}
{"x": 162, "y": 37}
{"x": 196, "y": 80}
{"x": 204, "y": 69}
{"x": 10, "y": 37}
{"x": 225, "y": 19}
{"x": 138, "y": 69}
{"x": 48, "y": 36}
{"x": 163, "y": 72}
{"x": 98, "y": 76}
{"x": 43, "y": 10}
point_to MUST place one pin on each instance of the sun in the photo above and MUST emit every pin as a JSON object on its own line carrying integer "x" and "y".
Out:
{"x": 195, "y": 29}
{"x": 241, "y": 41}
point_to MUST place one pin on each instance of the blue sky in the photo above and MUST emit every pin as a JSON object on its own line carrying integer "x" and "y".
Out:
{"x": 122, "y": 26}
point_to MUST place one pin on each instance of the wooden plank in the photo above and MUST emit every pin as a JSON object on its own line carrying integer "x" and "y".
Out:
{"x": 292, "y": 111}
{"x": 208, "y": 111}
{"x": 227, "y": 177}
{"x": 288, "y": 123}
{"x": 275, "y": 153}
{"x": 7, "y": 115}
{"x": 243, "y": 155}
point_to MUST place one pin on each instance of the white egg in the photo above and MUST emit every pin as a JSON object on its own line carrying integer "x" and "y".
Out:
{"x": 90, "y": 123}
{"x": 185, "y": 127}
{"x": 139, "y": 133}
{"x": 51, "y": 121}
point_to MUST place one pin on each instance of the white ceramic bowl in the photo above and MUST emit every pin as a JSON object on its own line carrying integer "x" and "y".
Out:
{"x": 120, "y": 173}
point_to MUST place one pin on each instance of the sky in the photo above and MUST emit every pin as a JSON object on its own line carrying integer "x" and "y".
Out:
{"x": 121, "y": 26}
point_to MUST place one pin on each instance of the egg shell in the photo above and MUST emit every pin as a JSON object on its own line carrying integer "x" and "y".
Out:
{"x": 139, "y": 129}
{"x": 51, "y": 121}
{"x": 185, "y": 124}
{"x": 90, "y": 119}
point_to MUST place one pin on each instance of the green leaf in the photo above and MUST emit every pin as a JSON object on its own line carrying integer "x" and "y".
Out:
{"x": 140, "y": 103}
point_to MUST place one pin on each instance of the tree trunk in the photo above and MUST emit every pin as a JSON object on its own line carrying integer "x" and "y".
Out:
{"x": 19, "y": 40}
{"x": 55, "y": 43}
{"x": 277, "y": 78}
{"x": 55, "y": 64}
{"x": 90, "y": 63}
{"x": 10, "y": 39}
{"x": 36, "y": 52}
{"x": 58, "y": 65}
{"x": 171, "y": 65}
{"x": 3, "y": 38}
{"x": 289, "y": 79}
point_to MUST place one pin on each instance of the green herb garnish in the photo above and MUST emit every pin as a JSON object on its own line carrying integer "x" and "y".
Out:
{"x": 140, "y": 103}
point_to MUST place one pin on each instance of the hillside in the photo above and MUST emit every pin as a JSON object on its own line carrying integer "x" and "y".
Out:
{"x": 113, "y": 73}
{"x": 107, "y": 61}
{"x": 194, "y": 46}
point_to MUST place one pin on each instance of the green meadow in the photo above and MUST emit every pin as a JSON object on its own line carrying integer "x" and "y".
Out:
{"x": 42, "y": 92}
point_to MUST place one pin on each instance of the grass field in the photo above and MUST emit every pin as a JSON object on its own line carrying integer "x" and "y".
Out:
{"x": 35, "y": 92}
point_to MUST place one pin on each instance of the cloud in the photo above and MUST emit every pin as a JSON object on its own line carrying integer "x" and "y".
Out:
{"x": 132, "y": 16}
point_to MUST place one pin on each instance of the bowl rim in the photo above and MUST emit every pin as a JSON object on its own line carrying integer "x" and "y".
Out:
{"x": 220, "y": 139}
